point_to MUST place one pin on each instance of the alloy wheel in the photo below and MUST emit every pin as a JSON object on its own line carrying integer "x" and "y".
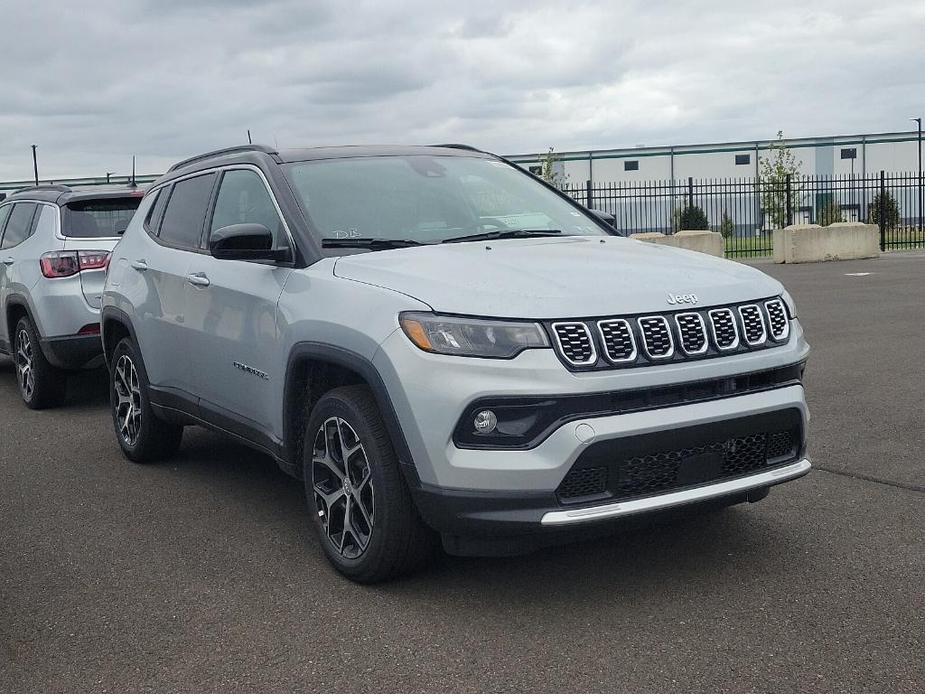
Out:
{"x": 343, "y": 488}
{"x": 25, "y": 363}
{"x": 128, "y": 400}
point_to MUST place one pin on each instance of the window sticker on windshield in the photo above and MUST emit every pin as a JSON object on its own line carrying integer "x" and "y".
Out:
{"x": 353, "y": 233}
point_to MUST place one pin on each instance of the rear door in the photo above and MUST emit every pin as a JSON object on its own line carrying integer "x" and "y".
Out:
{"x": 156, "y": 279}
{"x": 96, "y": 224}
{"x": 231, "y": 312}
{"x": 4, "y": 336}
{"x": 18, "y": 228}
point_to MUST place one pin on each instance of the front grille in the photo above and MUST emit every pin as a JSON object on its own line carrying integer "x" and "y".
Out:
{"x": 777, "y": 315}
{"x": 725, "y": 331}
{"x": 620, "y": 342}
{"x": 579, "y": 485}
{"x": 693, "y": 333}
{"x": 753, "y": 323}
{"x": 656, "y": 337}
{"x": 663, "y": 462}
{"x": 617, "y": 337}
{"x": 575, "y": 343}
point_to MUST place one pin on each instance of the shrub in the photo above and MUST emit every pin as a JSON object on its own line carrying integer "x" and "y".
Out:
{"x": 891, "y": 213}
{"x": 693, "y": 218}
{"x": 829, "y": 213}
{"x": 727, "y": 227}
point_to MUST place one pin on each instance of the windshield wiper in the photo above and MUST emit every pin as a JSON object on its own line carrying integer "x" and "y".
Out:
{"x": 372, "y": 243}
{"x": 504, "y": 234}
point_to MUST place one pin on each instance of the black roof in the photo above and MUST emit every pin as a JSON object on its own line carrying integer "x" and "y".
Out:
{"x": 61, "y": 194}
{"x": 251, "y": 154}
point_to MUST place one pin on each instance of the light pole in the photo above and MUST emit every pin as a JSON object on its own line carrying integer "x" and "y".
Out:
{"x": 919, "y": 142}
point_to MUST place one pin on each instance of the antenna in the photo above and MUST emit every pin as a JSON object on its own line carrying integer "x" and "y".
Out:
{"x": 133, "y": 184}
{"x": 249, "y": 141}
{"x": 35, "y": 165}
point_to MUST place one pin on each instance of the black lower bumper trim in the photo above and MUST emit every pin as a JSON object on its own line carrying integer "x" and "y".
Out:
{"x": 73, "y": 351}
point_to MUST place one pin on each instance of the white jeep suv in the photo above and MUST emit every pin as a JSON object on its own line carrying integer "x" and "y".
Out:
{"x": 54, "y": 249}
{"x": 440, "y": 344}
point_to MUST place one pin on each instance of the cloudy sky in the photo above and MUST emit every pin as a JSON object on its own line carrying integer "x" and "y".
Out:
{"x": 93, "y": 82}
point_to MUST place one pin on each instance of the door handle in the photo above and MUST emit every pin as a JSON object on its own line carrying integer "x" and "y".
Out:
{"x": 140, "y": 265}
{"x": 8, "y": 261}
{"x": 198, "y": 279}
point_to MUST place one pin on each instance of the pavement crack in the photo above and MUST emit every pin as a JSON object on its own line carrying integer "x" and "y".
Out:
{"x": 871, "y": 478}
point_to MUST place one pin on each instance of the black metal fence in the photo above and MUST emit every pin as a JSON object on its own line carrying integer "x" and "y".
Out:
{"x": 747, "y": 210}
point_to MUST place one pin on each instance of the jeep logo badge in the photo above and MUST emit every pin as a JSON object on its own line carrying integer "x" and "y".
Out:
{"x": 675, "y": 299}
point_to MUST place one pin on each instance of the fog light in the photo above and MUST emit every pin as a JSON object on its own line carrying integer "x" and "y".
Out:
{"x": 485, "y": 422}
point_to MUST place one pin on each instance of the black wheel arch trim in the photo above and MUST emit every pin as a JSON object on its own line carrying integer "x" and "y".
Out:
{"x": 362, "y": 366}
{"x": 111, "y": 313}
{"x": 21, "y": 301}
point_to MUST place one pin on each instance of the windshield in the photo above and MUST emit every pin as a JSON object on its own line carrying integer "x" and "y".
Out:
{"x": 101, "y": 218}
{"x": 429, "y": 199}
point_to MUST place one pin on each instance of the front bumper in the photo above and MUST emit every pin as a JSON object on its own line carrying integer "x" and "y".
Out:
{"x": 430, "y": 393}
{"x": 513, "y": 523}
{"x": 661, "y": 502}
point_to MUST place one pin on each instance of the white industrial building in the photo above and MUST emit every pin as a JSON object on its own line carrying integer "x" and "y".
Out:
{"x": 821, "y": 156}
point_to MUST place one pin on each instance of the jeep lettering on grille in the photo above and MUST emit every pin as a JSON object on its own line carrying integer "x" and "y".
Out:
{"x": 675, "y": 299}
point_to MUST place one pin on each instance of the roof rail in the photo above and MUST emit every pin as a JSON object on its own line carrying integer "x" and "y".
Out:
{"x": 57, "y": 187}
{"x": 459, "y": 146}
{"x": 220, "y": 152}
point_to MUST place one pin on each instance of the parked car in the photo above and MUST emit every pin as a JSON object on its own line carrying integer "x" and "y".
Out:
{"x": 439, "y": 344}
{"x": 54, "y": 248}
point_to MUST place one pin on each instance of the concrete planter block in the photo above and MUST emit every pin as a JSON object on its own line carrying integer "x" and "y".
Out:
{"x": 704, "y": 241}
{"x": 811, "y": 243}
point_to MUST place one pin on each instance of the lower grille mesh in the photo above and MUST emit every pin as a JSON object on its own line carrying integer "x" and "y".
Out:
{"x": 583, "y": 483}
{"x": 645, "y": 466}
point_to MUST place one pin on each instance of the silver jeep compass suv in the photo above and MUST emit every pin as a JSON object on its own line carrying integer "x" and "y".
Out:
{"x": 440, "y": 344}
{"x": 54, "y": 248}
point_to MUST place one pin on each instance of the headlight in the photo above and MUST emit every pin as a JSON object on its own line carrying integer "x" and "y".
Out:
{"x": 788, "y": 302}
{"x": 471, "y": 337}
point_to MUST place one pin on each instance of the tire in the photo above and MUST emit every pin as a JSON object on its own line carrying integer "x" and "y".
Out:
{"x": 386, "y": 537}
{"x": 143, "y": 436}
{"x": 41, "y": 385}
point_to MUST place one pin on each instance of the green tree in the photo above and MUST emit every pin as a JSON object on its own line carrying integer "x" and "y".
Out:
{"x": 773, "y": 172}
{"x": 829, "y": 213}
{"x": 727, "y": 227}
{"x": 550, "y": 171}
{"x": 890, "y": 213}
{"x": 693, "y": 217}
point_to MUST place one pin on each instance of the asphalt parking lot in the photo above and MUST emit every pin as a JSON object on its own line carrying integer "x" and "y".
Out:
{"x": 202, "y": 574}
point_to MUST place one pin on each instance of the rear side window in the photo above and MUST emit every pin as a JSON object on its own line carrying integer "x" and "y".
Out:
{"x": 18, "y": 225}
{"x": 156, "y": 211}
{"x": 4, "y": 214}
{"x": 101, "y": 218}
{"x": 186, "y": 211}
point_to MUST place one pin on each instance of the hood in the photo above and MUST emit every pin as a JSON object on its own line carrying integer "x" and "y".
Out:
{"x": 578, "y": 276}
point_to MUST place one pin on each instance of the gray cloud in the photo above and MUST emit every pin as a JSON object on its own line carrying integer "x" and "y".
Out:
{"x": 163, "y": 79}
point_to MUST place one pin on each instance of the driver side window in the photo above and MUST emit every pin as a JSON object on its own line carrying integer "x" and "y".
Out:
{"x": 244, "y": 199}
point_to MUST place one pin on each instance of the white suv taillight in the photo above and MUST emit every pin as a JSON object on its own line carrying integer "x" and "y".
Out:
{"x": 68, "y": 263}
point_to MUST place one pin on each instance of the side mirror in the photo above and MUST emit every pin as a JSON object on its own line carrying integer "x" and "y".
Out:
{"x": 605, "y": 217}
{"x": 245, "y": 242}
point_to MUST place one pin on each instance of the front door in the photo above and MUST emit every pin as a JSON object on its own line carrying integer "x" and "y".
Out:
{"x": 231, "y": 313}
